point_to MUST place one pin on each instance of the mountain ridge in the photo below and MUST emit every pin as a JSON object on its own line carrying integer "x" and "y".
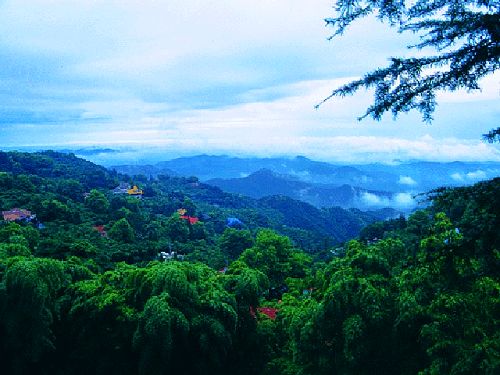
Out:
{"x": 266, "y": 183}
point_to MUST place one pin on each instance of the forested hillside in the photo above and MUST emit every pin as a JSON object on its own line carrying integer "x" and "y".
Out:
{"x": 49, "y": 181}
{"x": 102, "y": 273}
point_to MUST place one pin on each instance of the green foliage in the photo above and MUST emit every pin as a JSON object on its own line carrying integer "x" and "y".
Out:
{"x": 122, "y": 231}
{"x": 13, "y": 249}
{"x": 14, "y": 233}
{"x": 55, "y": 210}
{"x": 177, "y": 229}
{"x": 50, "y": 164}
{"x": 246, "y": 283}
{"x": 474, "y": 210}
{"x": 97, "y": 202}
{"x": 354, "y": 314}
{"x": 188, "y": 322}
{"x": 160, "y": 332}
{"x": 417, "y": 295}
{"x": 30, "y": 303}
{"x": 234, "y": 241}
{"x": 274, "y": 256}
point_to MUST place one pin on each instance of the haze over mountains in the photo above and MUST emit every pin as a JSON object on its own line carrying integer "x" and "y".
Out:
{"x": 322, "y": 184}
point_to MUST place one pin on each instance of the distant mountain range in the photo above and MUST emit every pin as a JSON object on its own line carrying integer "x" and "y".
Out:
{"x": 322, "y": 184}
{"x": 264, "y": 183}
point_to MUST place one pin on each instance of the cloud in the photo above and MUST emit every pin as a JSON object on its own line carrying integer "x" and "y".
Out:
{"x": 371, "y": 199}
{"x": 476, "y": 175}
{"x": 404, "y": 200}
{"x": 406, "y": 180}
{"x": 472, "y": 176}
{"x": 230, "y": 76}
{"x": 283, "y": 125}
{"x": 459, "y": 177}
{"x": 398, "y": 201}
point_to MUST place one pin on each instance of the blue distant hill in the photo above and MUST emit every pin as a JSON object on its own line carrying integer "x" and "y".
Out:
{"x": 322, "y": 184}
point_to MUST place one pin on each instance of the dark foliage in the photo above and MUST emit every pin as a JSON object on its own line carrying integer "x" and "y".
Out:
{"x": 465, "y": 34}
{"x": 87, "y": 293}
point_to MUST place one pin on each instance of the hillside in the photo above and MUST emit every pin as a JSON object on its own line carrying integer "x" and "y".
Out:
{"x": 185, "y": 278}
{"x": 55, "y": 182}
{"x": 50, "y": 164}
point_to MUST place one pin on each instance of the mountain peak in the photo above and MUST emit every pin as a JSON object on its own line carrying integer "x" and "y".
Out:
{"x": 264, "y": 172}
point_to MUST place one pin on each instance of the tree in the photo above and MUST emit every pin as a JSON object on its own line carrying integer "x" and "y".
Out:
{"x": 465, "y": 34}
{"x": 98, "y": 308}
{"x": 97, "y": 202}
{"x": 275, "y": 256}
{"x": 122, "y": 231}
{"x": 233, "y": 242}
{"x": 176, "y": 228}
{"x": 30, "y": 295}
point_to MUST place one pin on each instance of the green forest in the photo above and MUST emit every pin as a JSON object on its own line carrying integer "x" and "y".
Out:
{"x": 175, "y": 276}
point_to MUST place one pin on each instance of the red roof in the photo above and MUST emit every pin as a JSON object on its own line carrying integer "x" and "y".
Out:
{"x": 191, "y": 219}
{"x": 269, "y": 311}
{"x": 101, "y": 230}
{"x": 16, "y": 214}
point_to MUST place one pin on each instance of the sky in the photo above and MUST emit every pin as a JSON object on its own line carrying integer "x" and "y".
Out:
{"x": 237, "y": 77}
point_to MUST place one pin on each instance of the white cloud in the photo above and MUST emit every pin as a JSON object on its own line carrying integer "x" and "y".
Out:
{"x": 399, "y": 200}
{"x": 459, "y": 177}
{"x": 404, "y": 200}
{"x": 127, "y": 36}
{"x": 142, "y": 66}
{"x": 472, "y": 176}
{"x": 406, "y": 180}
{"x": 374, "y": 200}
{"x": 285, "y": 125}
{"x": 476, "y": 175}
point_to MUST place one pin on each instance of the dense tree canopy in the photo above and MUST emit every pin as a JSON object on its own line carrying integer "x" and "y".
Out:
{"x": 465, "y": 35}
{"x": 88, "y": 293}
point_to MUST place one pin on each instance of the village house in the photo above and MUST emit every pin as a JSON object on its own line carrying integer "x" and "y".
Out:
{"x": 18, "y": 214}
{"x": 101, "y": 230}
{"x": 124, "y": 188}
{"x": 121, "y": 189}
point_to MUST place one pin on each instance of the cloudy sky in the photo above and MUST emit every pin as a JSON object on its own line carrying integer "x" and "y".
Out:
{"x": 225, "y": 76}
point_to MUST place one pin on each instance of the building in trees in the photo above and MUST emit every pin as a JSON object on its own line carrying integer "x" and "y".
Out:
{"x": 18, "y": 214}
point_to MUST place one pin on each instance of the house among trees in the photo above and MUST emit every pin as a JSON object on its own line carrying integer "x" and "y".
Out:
{"x": 124, "y": 188}
{"x": 18, "y": 214}
{"x": 234, "y": 222}
{"x": 134, "y": 190}
{"x": 191, "y": 219}
{"x": 121, "y": 189}
{"x": 101, "y": 230}
{"x": 270, "y": 312}
{"x": 170, "y": 255}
